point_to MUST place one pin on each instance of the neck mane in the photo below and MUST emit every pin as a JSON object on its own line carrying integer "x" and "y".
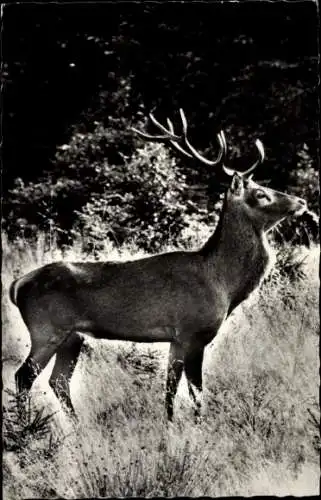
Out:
{"x": 214, "y": 240}
{"x": 237, "y": 253}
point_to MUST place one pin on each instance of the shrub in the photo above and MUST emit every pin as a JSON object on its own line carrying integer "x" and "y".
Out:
{"x": 23, "y": 424}
{"x": 136, "y": 199}
{"x": 142, "y": 202}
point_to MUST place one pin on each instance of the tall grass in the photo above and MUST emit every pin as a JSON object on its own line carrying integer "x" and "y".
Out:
{"x": 259, "y": 431}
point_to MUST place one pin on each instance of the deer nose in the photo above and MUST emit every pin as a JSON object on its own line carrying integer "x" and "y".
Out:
{"x": 302, "y": 206}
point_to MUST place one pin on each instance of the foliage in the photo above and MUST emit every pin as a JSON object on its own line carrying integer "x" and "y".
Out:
{"x": 306, "y": 177}
{"x": 51, "y": 202}
{"x": 142, "y": 202}
{"x": 290, "y": 263}
{"x": 23, "y": 424}
{"x": 139, "y": 199}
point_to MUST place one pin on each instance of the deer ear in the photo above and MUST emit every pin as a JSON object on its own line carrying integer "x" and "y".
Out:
{"x": 237, "y": 186}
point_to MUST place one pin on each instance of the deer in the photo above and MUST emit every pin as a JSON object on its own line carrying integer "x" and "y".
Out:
{"x": 182, "y": 297}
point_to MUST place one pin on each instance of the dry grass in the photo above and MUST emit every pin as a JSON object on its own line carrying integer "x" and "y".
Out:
{"x": 259, "y": 433}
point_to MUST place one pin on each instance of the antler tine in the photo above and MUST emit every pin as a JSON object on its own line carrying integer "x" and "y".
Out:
{"x": 160, "y": 126}
{"x": 202, "y": 158}
{"x": 195, "y": 153}
{"x": 167, "y": 136}
{"x": 184, "y": 121}
{"x": 170, "y": 132}
{"x": 260, "y": 147}
{"x": 170, "y": 125}
{"x": 222, "y": 139}
{"x": 174, "y": 143}
{"x": 150, "y": 137}
{"x": 246, "y": 173}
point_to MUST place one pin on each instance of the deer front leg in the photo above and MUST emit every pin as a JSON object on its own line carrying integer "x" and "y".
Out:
{"x": 193, "y": 362}
{"x": 66, "y": 360}
{"x": 174, "y": 373}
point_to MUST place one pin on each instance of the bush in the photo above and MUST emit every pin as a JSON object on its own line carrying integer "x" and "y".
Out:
{"x": 139, "y": 199}
{"x": 142, "y": 202}
{"x": 23, "y": 424}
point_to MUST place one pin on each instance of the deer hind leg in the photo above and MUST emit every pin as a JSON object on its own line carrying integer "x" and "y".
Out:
{"x": 26, "y": 374}
{"x": 66, "y": 359}
{"x": 193, "y": 362}
{"x": 174, "y": 373}
{"x": 45, "y": 338}
{"x": 39, "y": 356}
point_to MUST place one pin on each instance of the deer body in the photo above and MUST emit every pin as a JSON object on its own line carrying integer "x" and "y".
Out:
{"x": 118, "y": 300}
{"x": 178, "y": 297}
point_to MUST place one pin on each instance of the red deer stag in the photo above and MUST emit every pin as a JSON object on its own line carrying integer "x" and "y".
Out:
{"x": 181, "y": 297}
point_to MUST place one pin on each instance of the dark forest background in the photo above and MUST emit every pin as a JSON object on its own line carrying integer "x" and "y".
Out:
{"x": 75, "y": 78}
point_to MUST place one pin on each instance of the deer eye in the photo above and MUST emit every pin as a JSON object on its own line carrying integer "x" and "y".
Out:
{"x": 261, "y": 194}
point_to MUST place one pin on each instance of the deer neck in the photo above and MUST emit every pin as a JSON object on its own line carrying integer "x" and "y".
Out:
{"x": 237, "y": 254}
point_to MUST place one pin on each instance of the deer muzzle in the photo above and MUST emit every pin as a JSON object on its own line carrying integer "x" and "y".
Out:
{"x": 300, "y": 206}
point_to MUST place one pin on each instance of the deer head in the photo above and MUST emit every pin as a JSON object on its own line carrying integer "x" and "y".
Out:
{"x": 262, "y": 206}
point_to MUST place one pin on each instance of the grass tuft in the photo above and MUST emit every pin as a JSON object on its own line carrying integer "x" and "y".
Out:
{"x": 23, "y": 423}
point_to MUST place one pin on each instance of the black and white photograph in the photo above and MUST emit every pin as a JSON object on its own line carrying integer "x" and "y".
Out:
{"x": 160, "y": 249}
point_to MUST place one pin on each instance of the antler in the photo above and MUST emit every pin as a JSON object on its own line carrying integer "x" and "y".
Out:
{"x": 247, "y": 172}
{"x": 175, "y": 140}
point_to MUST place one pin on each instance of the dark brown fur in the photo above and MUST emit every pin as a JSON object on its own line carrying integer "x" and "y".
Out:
{"x": 177, "y": 297}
